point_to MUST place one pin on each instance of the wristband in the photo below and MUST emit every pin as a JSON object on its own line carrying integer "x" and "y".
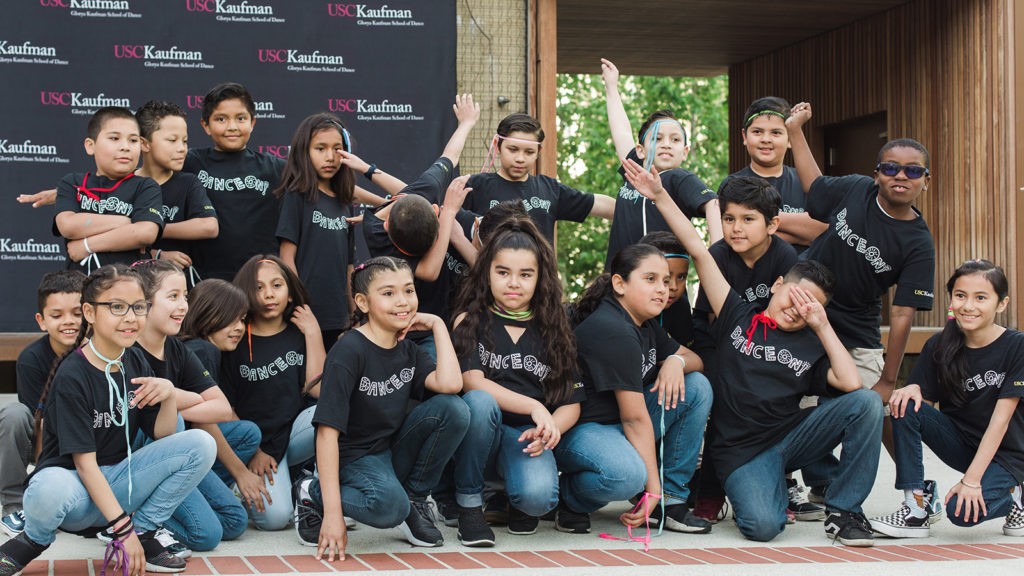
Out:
{"x": 370, "y": 172}
{"x": 975, "y": 486}
{"x": 681, "y": 359}
{"x": 85, "y": 241}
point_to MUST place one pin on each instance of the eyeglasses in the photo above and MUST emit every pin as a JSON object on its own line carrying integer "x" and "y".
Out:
{"x": 122, "y": 308}
{"x": 912, "y": 171}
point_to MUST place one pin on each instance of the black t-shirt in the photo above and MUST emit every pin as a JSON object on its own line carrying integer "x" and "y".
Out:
{"x": 615, "y": 354}
{"x": 996, "y": 371}
{"x": 240, "y": 185}
{"x": 181, "y": 366}
{"x": 546, "y": 200}
{"x": 677, "y": 320}
{"x": 752, "y": 284}
{"x": 33, "y": 368}
{"x": 365, "y": 391}
{"x": 794, "y": 200}
{"x": 325, "y": 249}
{"x": 519, "y": 366}
{"x": 208, "y": 354}
{"x": 137, "y": 198}
{"x": 267, "y": 389}
{"x": 759, "y": 387}
{"x": 686, "y": 190}
{"x": 78, "y": 419}
{"x": 184, "y": 198}
{"x": 868, "y": 252}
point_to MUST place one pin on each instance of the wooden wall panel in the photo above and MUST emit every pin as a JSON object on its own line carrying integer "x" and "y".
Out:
{"x": 942, "y": 71}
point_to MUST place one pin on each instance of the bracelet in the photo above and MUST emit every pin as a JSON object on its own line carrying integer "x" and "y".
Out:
{"x": 85, "y": 241}
{"x": 975, "y": 486}
{"x": 370, "y": 172}
{"x": 681, "y": 359}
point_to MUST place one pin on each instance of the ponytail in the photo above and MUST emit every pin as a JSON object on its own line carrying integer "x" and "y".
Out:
{"x": 622, "y": 264}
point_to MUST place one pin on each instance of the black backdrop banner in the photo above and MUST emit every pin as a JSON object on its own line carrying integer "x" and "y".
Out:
{"x": 386, "y": 69}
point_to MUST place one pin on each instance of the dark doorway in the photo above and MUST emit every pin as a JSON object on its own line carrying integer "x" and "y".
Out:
{"x": 851, "y": 147}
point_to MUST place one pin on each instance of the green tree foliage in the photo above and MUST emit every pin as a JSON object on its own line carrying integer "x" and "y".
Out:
{"x": 586, "y": 156}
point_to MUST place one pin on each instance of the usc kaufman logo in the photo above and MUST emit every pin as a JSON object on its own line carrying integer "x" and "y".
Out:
{"x": 29, "y": 250}
{"x": 29, "y": 151}
{"x": 368, "y": 111}
{"x": 366, "y": 16}
{"x": 235, "y": 11}
{"x": 27, "y": 53}
{"x": 263, "y": 109}
{"x": 275, "y": 150}
{"x": 81, "y": 104}
{"x": 153, "y": 57}
{"x": 298, "y": 62}
{"x": 94, "y": 8}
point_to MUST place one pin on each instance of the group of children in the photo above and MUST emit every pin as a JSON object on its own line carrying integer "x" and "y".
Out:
{"x": 295, "y": 384}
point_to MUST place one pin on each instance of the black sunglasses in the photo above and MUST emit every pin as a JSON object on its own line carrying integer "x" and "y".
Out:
{"x": 912, "y": 171}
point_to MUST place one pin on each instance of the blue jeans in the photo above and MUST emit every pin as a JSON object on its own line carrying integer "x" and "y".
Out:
{"x": 301, "y": 448}
{"x": 212, "y": 513}
{"x": 684, "y": 431}
{"x": 490, "y": 448}
{"x": 163, "y": 473}
{"x": 598, "y": 466}
{"x": 758, "y": 488}
{"x": 941, "y": 435}
{"x": 376, "y": 488}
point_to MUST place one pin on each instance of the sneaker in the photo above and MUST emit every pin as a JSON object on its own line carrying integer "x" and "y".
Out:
{"x": 679, "y": 518}
{"x": 711, "y": 509}
{"x": 572, "y": 522}
{"x": 17, "y": 552}
{"x": 934, "y": 504}
{"x": 308, "y": 520}
{"x": 447, "y": 512}
{"x": 802, "y": 510}
{"x": 790, "y": 517}
{"x": 817, "y": 494}
{"x": 901, "y": 524}
{"x": 13, "y": 523}
{"x": 496, "y": 509}
{"x": 171, "y": 543}
{"x": 520, "y": 523}
{"x": 419, "y": 528}
{"x": 473, "y": 528}
{"x": 158, "y": 558}
{"x": 1014, "y": 525}
{"x": 849, "y": 528}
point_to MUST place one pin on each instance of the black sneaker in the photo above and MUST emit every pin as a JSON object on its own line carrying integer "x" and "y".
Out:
{"x": 419, "y": 528}
{"x": 158, "y": 558}
{"x": 164, "y": 536}
{"x": 520, "y": 523}
{"x": 803, "y": 510}
{"x": 679, "y": 518}
{"x": 817, "y": 494}
{"x": 17, "y": 552}
{"x": 849, "y": 528}
{"x": 902, "y": 524}
{"x": 572, "y": 522}
{"x": 447, "y": 512}
{"x": 473, "y": 528}
{"x": 496, "y": 509}
{"x": 935, "y": 512}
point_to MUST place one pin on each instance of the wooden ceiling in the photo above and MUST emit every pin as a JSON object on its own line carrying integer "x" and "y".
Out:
{"x": 692, "y": 37}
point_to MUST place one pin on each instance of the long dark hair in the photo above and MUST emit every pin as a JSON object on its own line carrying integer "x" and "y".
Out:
{"x": 623, "y": 264}
{"x": 299, "y": 174}
{"x": 364, "y": 274}
{"x": 95, "y": 284}
{"x": 213, "y": 305}
{"x": 246, "y": 280}
{"x": 949, "y": 357}
{"x": 475, "y": 297}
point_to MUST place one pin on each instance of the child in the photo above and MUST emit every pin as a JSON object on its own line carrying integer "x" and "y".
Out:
{"x": 211, "y": 513}
{"x": 663, "y": 144}
{"x": 60, "y": 316}
{"x": 876, "y": 238}
{"x": 766, "y": 138}
{"x": 513, "y": 339}
{"x": 377, "y": 463}
{"x": 187, "y": 212}
{"x": 612, "y": 449}
{"x": 215, "y": 325}
{"x": 484, "y": 226}
{"x": 677, "y": 317}
{"x": 974, "y": 369}
{"x": 760, "y": 431}
{"x": 266, "y": 376}
{"x": 516, "y": 146}
{"x": 111, "y": 215}
{"x": 101, "y": 395}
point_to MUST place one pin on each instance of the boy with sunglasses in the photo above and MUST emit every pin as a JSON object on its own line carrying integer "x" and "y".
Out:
{"x": 875, "y": 239}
